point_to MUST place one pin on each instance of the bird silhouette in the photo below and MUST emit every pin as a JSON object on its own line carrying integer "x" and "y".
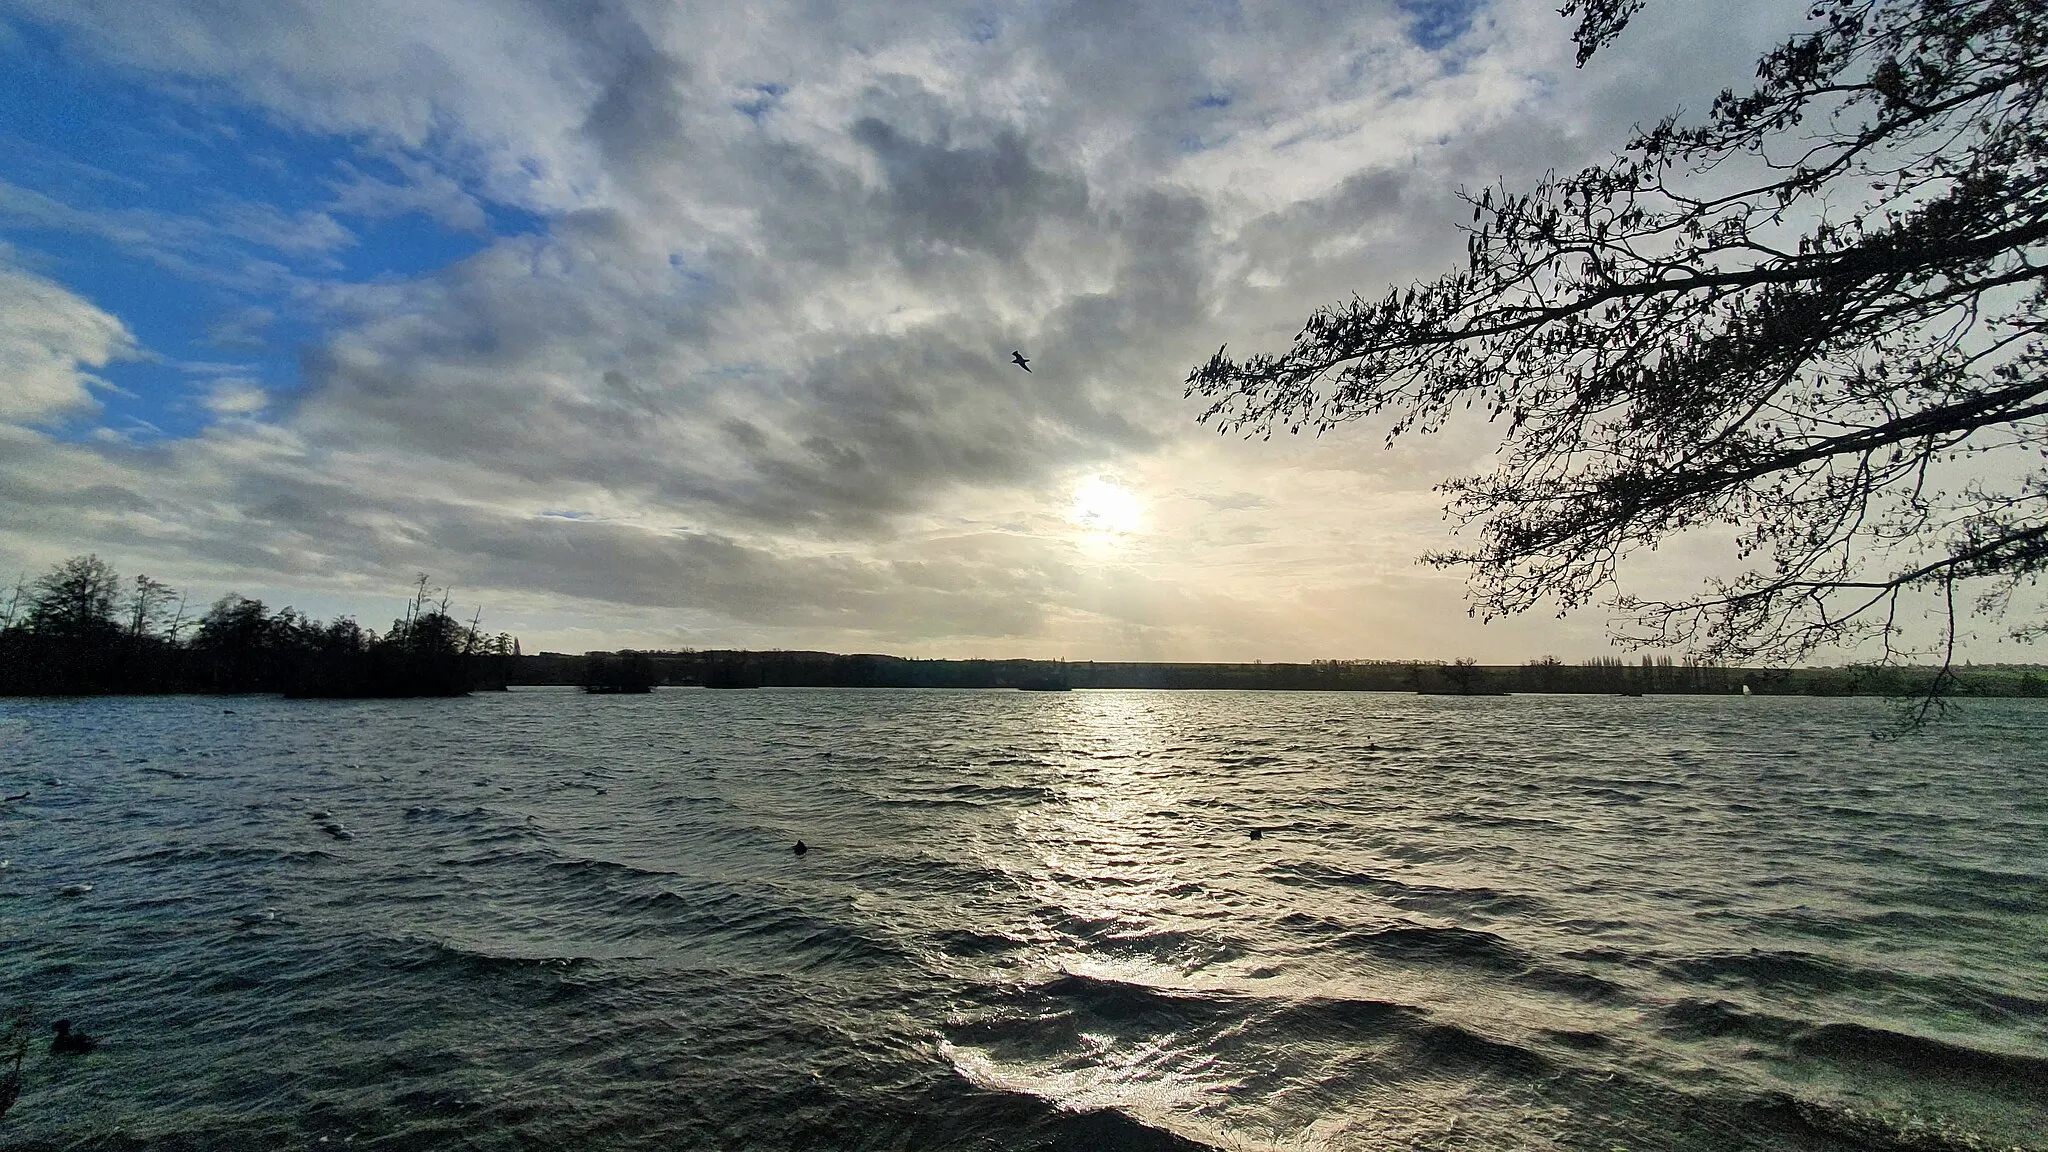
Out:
{"x": 70, "y": 1043}
{"x": 1018, "y": 359}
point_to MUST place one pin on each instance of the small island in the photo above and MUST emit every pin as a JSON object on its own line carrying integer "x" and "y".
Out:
{"x": 79, "y": 631}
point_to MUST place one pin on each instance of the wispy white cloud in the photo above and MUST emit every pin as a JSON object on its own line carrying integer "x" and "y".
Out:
{"x": 51, "y": 341}
{"x": 234, "y": 398}
{"x": 420, "y": 188}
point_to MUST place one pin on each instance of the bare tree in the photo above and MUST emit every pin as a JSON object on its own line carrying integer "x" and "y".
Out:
{"x": 78, "y": 598}
{"x": 1818, "y": 317}
{"x": 148, "y": 604}
{"x": 12, "y": 611}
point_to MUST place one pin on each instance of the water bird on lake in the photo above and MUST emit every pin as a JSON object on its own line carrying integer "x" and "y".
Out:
{"x": 251, "y": 919}
{"x": 1018, "y": 359}
{"x": 13, "y": 798}
{"x": 69, "y": 1043}
{"x": 801, "y": 848}
{"x": 1258, "y": 833}
{"x": 74, "y": 889}
{"x": 336, "y": 830}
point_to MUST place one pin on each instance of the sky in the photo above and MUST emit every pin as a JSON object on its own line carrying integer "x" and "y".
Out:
{"x": 656, "y": 324}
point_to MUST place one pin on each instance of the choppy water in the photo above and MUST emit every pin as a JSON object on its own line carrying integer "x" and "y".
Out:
{"x": 1027, "y": 921}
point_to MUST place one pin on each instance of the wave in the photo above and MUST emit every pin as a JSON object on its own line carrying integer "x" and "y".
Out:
{"x": 484, "y": 960}
{"x": 966, "y": 942}
{"x": 1128, "y": 1000}
{"x": 1417, "y": 942}
{"x": 593, "y": 867}
{"x": 1183, "y": 949}
{"x": 1444, "y": 1045}
{"x": 1848, "y": 1042}
{"x": 970, "y": 793}
{"x": 187, "y": 853}
{"x": 1064, "y": 1111}
{"x": 1496, "y": 820}
{"x": 1577, "y": 985}
{"x": 1768, "y": 970}
{"x": 1918, "y": 1055}
{"x": 726, "y": 915}
{"x": 1055, "y": 1019}
{"x": 1836, "y": 1125}
{"x": 1811, "y": 973}
{"x": 1412, "y": 897}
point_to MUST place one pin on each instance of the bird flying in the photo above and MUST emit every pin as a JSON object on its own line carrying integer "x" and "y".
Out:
{"x": 1018, "y": 359}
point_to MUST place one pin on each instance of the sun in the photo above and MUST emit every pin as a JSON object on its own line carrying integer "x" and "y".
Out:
{"x": 1106, "y": 509}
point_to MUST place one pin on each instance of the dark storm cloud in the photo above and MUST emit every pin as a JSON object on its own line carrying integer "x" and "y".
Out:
{"x": 575, "y": 370}
{"x": 989, "y": 197}
{"x": 889, "y": 425}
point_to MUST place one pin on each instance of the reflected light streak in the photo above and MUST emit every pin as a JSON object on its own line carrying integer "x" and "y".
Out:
{"x": 1110, "y": 846}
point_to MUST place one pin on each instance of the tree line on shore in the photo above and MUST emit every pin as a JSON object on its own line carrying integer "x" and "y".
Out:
{"x": 1649, "y": 676}
{"x": 79, "y": 629}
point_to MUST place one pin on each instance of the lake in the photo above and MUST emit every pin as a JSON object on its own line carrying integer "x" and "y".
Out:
{"x": 541, "y": 919}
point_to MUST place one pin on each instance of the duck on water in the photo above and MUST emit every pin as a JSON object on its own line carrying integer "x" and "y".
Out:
{"x": 70, "y": 1043}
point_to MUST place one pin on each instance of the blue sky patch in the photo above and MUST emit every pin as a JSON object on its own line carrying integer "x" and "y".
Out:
{"x": 207, "y": 229}
{"x": 1435, "y": 24}
{"x": 763, "y": 100}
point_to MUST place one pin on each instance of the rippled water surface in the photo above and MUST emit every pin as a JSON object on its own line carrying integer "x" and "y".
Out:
{"x": 542, "y": 919}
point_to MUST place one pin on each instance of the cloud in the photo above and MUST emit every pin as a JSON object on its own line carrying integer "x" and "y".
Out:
{"x": 988, "y": 197}
{"x": 304, "y": 233}
{"x": 759, "y": 347}
{"x": 211, "y": 251}
{"x": 420, "y": 188}
{"x": 241, "y": 329}
{"x": 50, "y": 341}
{"x": 230, "y": 398}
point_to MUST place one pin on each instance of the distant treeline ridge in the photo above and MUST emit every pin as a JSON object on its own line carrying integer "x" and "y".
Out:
{"x": 1612, "y": 675}
{"x": 80, "y": 630}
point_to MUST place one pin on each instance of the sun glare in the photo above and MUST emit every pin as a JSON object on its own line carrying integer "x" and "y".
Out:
{"x": 1105, "y": 508}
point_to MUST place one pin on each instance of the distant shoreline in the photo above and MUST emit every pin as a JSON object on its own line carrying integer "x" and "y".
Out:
{"x": 785, "y": 669}
{"x": 744, "y": 669}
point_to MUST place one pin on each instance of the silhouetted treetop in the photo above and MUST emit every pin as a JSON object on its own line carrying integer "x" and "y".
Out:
{"x": 1815, "y": 316}
{"x": 73, "y": 630}
{"x": 77, "y": 598}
